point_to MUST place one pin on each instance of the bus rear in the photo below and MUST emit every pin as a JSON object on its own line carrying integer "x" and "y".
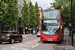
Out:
{"x": 51, "y": 25}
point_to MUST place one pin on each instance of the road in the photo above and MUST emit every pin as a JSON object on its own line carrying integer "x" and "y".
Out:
{"x": 32, "y": 42}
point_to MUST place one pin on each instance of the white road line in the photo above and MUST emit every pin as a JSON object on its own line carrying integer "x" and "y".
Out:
{"x": 32, "y": 45}
{"x": 15, "y": 47}
{"x": 19, "y": 48}
{"x": 35, "y": 45}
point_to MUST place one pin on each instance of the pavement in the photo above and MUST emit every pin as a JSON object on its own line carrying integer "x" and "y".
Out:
{"x": 69, "y": 42}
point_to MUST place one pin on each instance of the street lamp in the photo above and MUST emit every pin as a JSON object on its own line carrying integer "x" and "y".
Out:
{"x": 72, "y": 24}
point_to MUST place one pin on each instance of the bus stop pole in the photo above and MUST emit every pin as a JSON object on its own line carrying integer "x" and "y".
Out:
{"x": 72, "y": 24}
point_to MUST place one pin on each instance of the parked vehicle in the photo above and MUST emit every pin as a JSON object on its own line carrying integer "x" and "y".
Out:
{"x": 38, "y": 34}
{"x": 10, "y": 37}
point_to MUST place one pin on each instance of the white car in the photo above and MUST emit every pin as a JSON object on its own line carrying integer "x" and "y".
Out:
{"x": 38, "y": 34}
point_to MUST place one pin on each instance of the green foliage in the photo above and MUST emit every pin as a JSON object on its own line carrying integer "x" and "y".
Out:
{"x": 73, "y": 9}
{"x": 25, "y": 15}
{"x": 10, "y": 19}
{"x": 65, "y": 7}
{"x": 37, "y": 14}
{"x": 32, "y": 15}
{"x": 3, "y": 10}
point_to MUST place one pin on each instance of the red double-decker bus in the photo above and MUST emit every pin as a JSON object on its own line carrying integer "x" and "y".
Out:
{"x": 52, "y": 26}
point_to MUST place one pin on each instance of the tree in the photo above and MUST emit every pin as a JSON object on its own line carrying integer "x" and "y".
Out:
{"x": 32, "y": 15}
{"x": 3, "y": 10}
{"x": 37, "y": 13}
{"x": 64, "y": 6}
{"x": 73, "y": 13}
{"x": 11, "y": 17}
{"x": 25, "y": 15}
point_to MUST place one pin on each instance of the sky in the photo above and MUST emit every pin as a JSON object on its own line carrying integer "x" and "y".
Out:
{"x": 43, "y": 3}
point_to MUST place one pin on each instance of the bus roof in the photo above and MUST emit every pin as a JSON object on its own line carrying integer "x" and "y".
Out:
{"x": 51, "y": 9}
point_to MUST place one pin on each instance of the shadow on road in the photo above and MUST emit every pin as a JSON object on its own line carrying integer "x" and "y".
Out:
{"x": 48, "y": 42}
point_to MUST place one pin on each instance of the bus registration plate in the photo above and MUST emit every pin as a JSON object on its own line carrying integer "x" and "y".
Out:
{"x": 49, "y": 39}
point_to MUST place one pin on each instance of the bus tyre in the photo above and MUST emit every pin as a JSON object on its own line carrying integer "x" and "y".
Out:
{"x": 20, "y": 40}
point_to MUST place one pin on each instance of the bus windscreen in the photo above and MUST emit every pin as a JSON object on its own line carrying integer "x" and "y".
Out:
{"x": 52, "y": 14}
{"x": 48, "y": 29}
{"x": 50, "y": 22}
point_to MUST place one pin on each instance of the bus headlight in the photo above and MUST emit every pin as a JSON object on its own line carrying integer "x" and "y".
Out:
{"x": 58, "y": 37}
{"x": 42, "y": 37}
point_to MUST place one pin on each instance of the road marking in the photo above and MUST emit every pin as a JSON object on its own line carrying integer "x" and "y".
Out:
{"x": 15, "y": 47}
{"x": 35, "y": 45}
{"x": 28, "y": 44}
{"x": 60, "y": 48}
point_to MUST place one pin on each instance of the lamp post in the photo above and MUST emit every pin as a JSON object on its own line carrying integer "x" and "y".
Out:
{"x": 72, "y": 24}
{"x": 70, "y": 29}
